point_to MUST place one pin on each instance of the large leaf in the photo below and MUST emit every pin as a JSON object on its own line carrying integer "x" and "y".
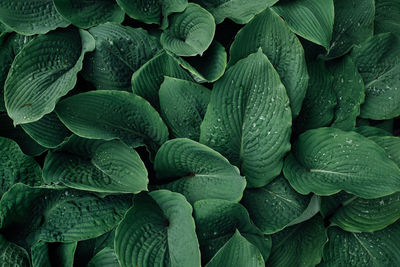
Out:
{"x": 53, "y": 254}
{"x": 311, "y": 19}
{"x": 217, "y": 221}
{"x": 381, "y": 248}
{"x": 391, "y": 145}
{"x": 189, "y": 33}
{"x": 57, "y": 215}
{"x": 240, "y": 11}
{"x": 378, "y": 61}
{"x": 105, "y": 258}
{"x": 248, "y": 119}
{"x": 368, "y": 131}
{"x": 276, "y": 206}
{"x": 107, "y": 167}
{"x": 268, "y": 31}
{"x": 113, "y": 114}
{"x": 354, "y": 22}
{"x": 183, "y": 105}
{"x": 120, "y": 51}
{"x": 44, "y": 71}
{"x": 237, "y": 252}
{"x": 147, "y": 80}
{"x": 158, "y": 230}
{"x": 300, "y": 245}
{"x": 387, "y": 16}
{"x": 89, "y": 13}
{"x": 197, "y": 171}
{"x": 328, "y": 160}
{"x": 349, "y": 89}
{"x": 15, "y": 167}
{"x": 12, "y": 255}
{"x": 31, "y": 17}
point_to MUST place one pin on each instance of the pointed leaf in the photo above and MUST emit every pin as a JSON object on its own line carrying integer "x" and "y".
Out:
{"x": 105, "y": 258}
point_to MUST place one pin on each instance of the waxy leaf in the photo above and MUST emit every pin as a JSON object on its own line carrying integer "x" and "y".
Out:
{"x": 105, "y": 257}
{"x": 53, "y": 254}
{"x": 203, "y": 173}
{"x": 387, "y": 16}
{"x": 391, "y": 145}
{"x": 12, "y": 255}
{"x": 248, "y": 119}
{"x": 368, "y": 131}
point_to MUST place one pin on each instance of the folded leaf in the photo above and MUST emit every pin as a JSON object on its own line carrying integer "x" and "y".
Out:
{"x": 328, "y": 160}
{"x": 386, "y": 16}
{"x": 43, "y": 72}
{"x": 53, "y": 254}
{"x": 105, "y": 257}
{"x": 113, "y": 114}
{"x": 183, "y": 105}
{"x": 268, "y": 31}
{"x": 197, "y": 172}
{"x": 12, "y": 255}
{"x": 158, "y": 230}
{"x": 248, "y": 119}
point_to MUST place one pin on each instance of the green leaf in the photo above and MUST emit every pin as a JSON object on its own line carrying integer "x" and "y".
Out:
{"x": 376, "y": 249}
{"x": 93, "y": 115}
{"x": 31, "y": 17}
{"x": 328, "y": 160}
{"x": 217, "y": 221}
{"x": 89, "y": 13}
{"x": 53, "y": 254}
{"x": 354, "y": 23}
{"x": 387, "y": 16}
{"x": 189, "y": 33}
{"x": 104, "y": 258}
{"x": 120, "y": 51}
{"x": 206, "y": 68}
{"x": 57, "y": 215}
{"x": 197, "y": 171}
{"x": 237, "y": 252}
{"x": 268, "y": 31}
{"x": 147, "y": 80}
{"x": 239, "y": 11}
{"x": 368, "y": 131}
{"x": 149, "y": 11}
{"x": 276, "y": 206}
{"x": 108, "y": 167}
{"x": 319, "y": 104}
{"x": 158, "y": 230}
{"x": 183, "y": 105}
{"x": 311, "y": 19}
{"x": 12, "y": 255}
{"x": 349, "y": 89}
{"x": 300, "y": 245}
{"x": 391, "y": 145}
{"x": 378, "y": 61}
{"x": 41, "y": 73}
{"x": 248, "y": 119}
{"x": 15, "y": 167}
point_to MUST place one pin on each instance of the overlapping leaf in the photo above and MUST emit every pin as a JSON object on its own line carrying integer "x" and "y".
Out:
{"x": 386, "y": 16}
{"x": 12, "y": 255}
{"x": 53, "y": 254}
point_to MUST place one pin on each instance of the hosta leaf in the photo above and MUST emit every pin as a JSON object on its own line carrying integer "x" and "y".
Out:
{"x": 203, "y": 173}
{"x": 391, "y": 145}
{"x": 57, "y": 215}
{"x": 120, "y": 51}
{"x": 89, "y": 13}
{"x": 387, "y": 16}
{"x": 276, "y": 206}
{"x": 299, "y": 245}
{"x": 240, "y": 11}
{"x": 113, "y": 114}
{"x": 328, "y": 160}
{"x": 53, "y": 254}
{"x": 206, "y": 68}
{"x": 48, "y": 131}
{"x": 44, "y": 71}
{"x": 31, "y": 17}
{"x": 368, "y": 131}
{"x": 189, "y": 33}
{"x": 183, "y": 105}
{"x": 12, "y": 255}
{"x": 108, "y": 167}
{"x": 150, "y": 11}
{"x": 319, "y": 104}
{"x": 311, "y": 19}
{"x": 217, "y": 221}
{"x": 248, "y": 119}
{"x": 349, "y": 89}
{"x": 158, "y": 230}
{"x": 376, "y": 249}
{"x": 105, "y": 258}
{"x": 378, "y": 61}
{"x": 15, "y": 167}
{"x": 268, "y": 31}
{"x": 237, "y": 252}
{"x": 147, "y": 80}
{"x": 354, "y": 22}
